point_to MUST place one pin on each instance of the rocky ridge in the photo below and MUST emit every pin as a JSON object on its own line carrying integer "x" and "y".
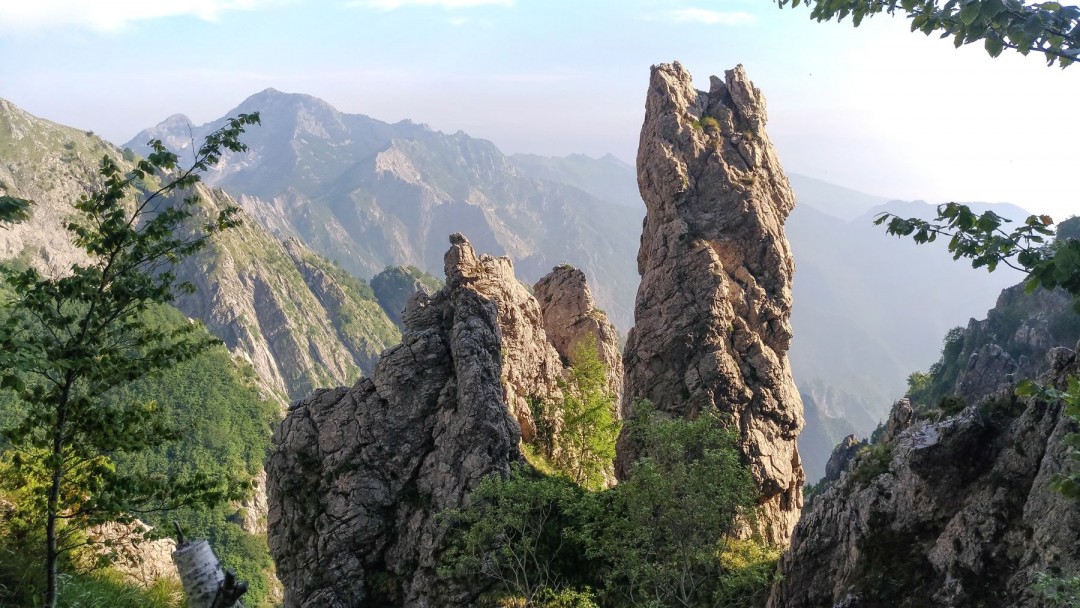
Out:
{"x": 712, "y": 314}
{"x": 358, "y": 475}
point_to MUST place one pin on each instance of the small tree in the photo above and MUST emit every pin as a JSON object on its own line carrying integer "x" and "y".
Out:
{"x": 589, "y": 427}
{"x": 69, "y": 340}
{"x": 666, "y": 525}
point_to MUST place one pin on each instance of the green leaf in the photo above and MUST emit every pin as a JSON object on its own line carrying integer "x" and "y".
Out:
{"x": 1034, "y": 24}
{"x": 14, "y": 210}
{"x": 970, "y": 12}
{"x": 993, "y": 46}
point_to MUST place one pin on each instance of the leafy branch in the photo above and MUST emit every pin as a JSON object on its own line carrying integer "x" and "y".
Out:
{"x": 1050, "y": 28}
{"x": 983, "y": 238}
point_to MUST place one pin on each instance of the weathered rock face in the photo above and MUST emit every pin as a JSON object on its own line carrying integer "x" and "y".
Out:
{"x": 531, "y": 366}
{"x": 841, "y": 457}
{"x": 570, "y": 316}
{"x": 712, "y": 313}
{"x": 1009, "y": 343}
{"x": 51, "y": 165}
{"x": 301, "y": 322}
{"x": 358, "y": 476}
{"x": 140, "y": 561}
{"x": 957, "y": 512}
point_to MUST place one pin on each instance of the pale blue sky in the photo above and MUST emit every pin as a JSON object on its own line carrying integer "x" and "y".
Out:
{"x": 875, "y": 108}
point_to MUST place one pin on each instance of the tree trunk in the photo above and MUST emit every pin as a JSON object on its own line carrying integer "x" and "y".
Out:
{"x": 51, "y": 550}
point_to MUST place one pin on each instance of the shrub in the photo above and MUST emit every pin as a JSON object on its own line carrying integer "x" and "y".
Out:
{"x": 873, "y": 461}
{"x": 512, "y": 534}
{"x": 589, "y": 428}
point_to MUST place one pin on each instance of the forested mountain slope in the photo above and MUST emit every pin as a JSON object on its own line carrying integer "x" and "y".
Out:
{"x": 298, "y": 319}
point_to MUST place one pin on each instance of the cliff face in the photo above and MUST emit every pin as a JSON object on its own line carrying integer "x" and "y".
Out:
{"x": 957, "y": 510}
{"x": 532, "y": 368}
{"x": 712, "y": 313}
{"x": 358, "y": 476}
{"x": 300, "y": 321}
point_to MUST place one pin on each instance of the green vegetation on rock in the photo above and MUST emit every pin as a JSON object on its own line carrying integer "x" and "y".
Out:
{"x": 395, "y": 284}
{"x": 665, "y": 536}
{"x": 588, "y": 425}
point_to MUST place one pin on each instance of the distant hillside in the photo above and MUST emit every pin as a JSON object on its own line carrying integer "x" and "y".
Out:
{"x": 607, "y": 178}
{"x": 369, "y": 194}
{"x": 301, "y": 322}
{"x": 837, "y": 201}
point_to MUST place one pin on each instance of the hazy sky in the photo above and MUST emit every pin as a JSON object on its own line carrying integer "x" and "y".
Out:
{"x": 876, "y": 108}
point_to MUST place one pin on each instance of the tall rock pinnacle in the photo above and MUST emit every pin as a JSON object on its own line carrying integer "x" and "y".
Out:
{"x": 712, "y": 317}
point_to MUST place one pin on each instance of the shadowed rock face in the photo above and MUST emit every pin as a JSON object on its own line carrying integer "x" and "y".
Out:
{"x": 712, "y": 313}
{"x": 955, "y": 511}
{"x": 959, "y": 513}
{"x": 358, "y": 475}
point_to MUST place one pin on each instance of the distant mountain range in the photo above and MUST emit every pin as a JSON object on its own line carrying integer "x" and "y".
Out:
{"x": 369, "y": 194}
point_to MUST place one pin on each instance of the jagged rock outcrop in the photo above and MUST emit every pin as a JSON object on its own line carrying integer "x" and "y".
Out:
{"x": 1010, "y": 342}
{"x": 950, "y": 512}
{"x": 712, "y": 312}
{"x": 358, "y": 476}
{"x": 140, "y": 561}
{"x": 841, "y": 457}
{"x": 954, "y": 510}
{"x": 570, "y": 316}
{"x": 988, "y": 369}
{"x": 901, "y": 417}
{"x": 532, "y": 368}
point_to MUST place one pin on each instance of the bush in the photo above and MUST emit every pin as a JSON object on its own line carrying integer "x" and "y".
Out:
{"x": 1058, "y": 590}
{"x": 662, "y": 529}
{"x": 873, "y": 461}
{"x": 662, "y": 537}
{"x": 513, "y": 535}
{"x": 750, "y": 569}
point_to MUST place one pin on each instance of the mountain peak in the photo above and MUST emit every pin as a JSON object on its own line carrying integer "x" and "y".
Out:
{"x": 174, "y": 120}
